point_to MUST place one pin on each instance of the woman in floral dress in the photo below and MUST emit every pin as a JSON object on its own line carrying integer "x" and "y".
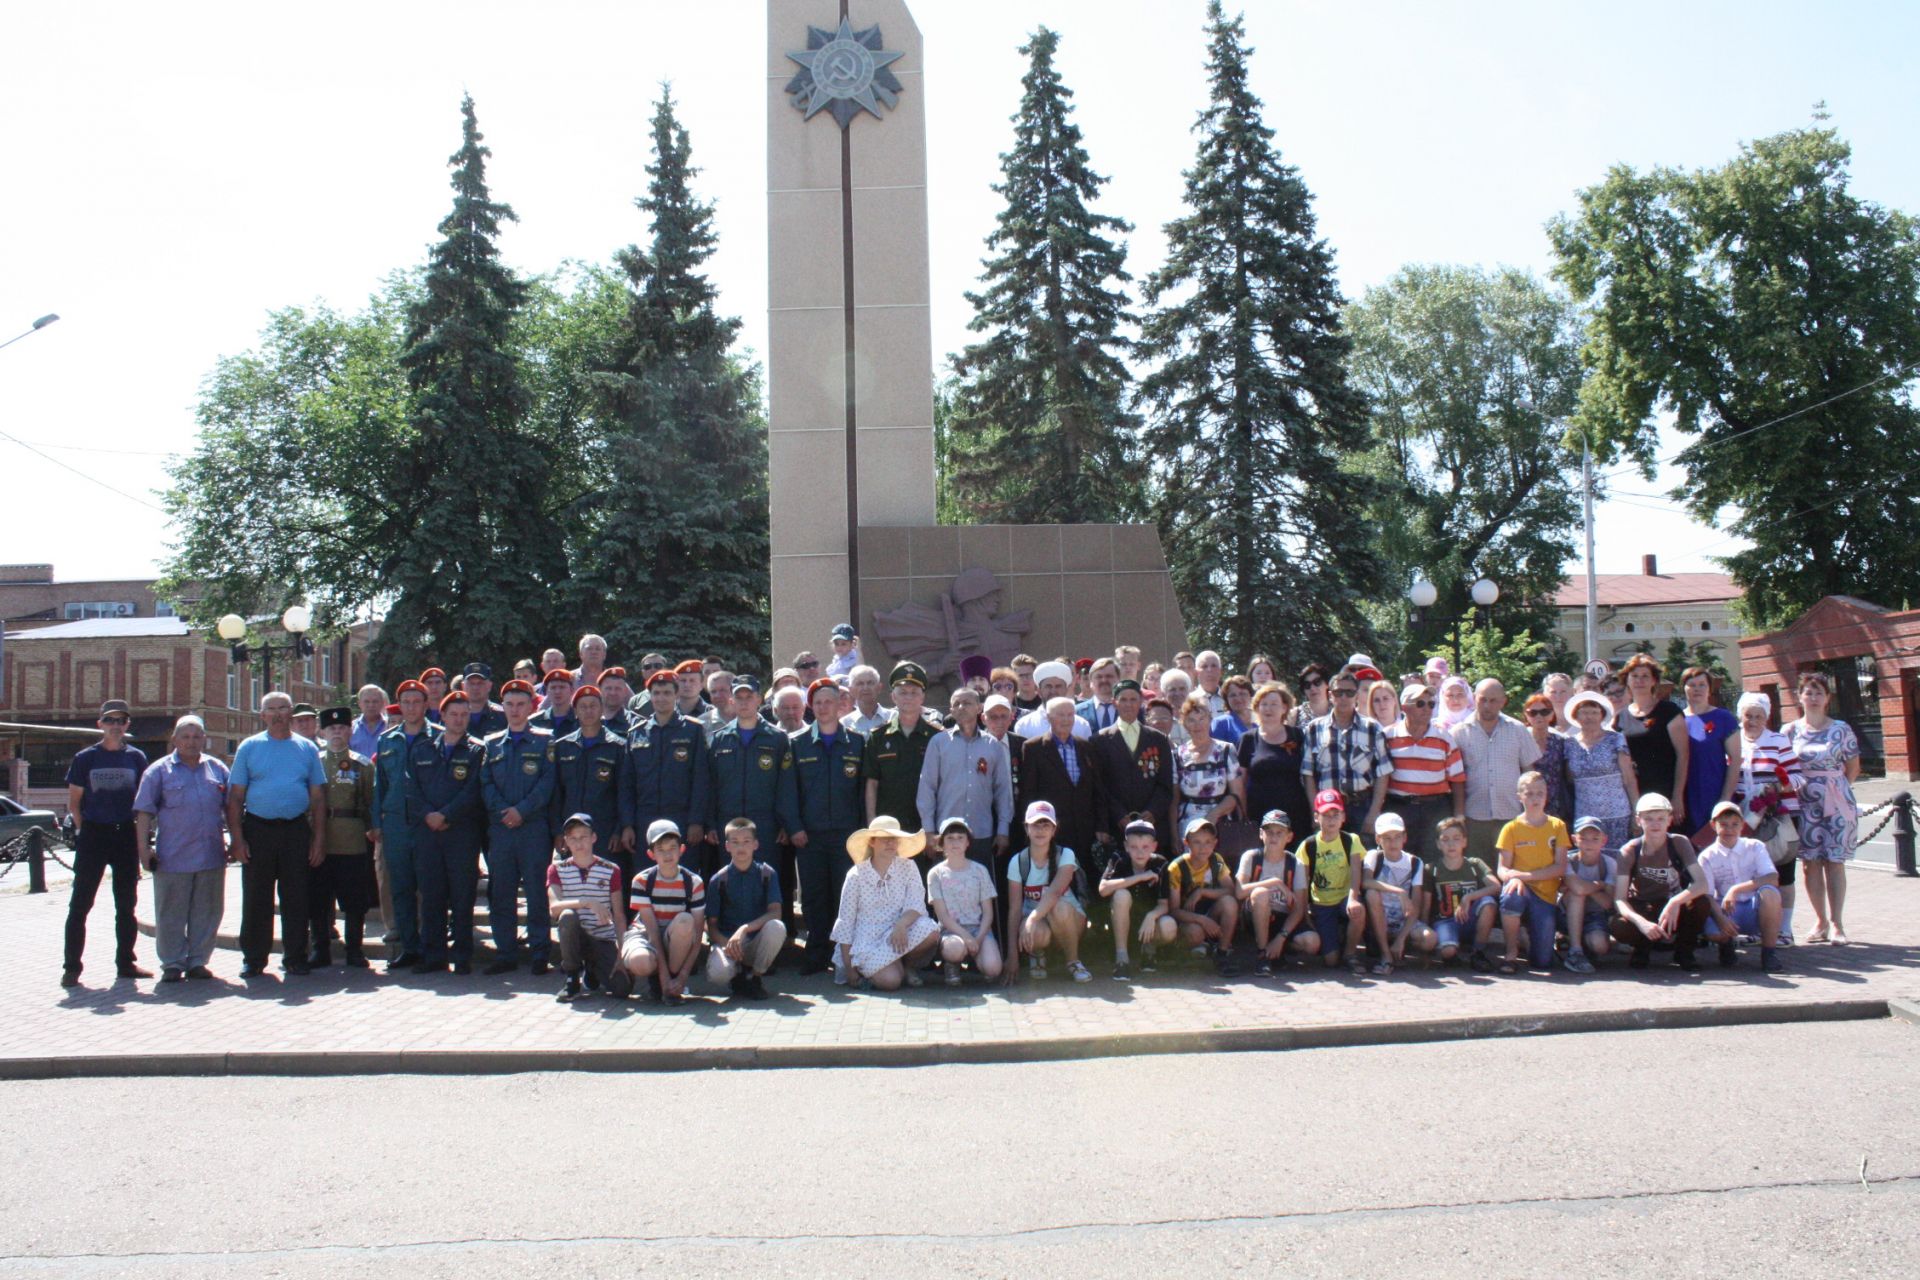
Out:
{"x": 1829, "y": 755}
{"x": 1604, "y": 785}
{"x": 1206, "y": 771}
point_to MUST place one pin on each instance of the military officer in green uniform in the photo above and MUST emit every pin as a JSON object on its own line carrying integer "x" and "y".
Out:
{"x": 896, "y": 750}
{"x": 346, "y": 875}
{"x": 744, "y": 762}
{"x": 826, "y": 795}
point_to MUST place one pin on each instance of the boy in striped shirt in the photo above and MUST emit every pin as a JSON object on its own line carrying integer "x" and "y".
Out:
{"x": 669, "y": 905}
{"x": 1428, "y": 782}
{"x": 583, "y": 897}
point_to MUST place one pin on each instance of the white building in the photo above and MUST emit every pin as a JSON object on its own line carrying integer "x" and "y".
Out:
{"x": 1655, "y": 607}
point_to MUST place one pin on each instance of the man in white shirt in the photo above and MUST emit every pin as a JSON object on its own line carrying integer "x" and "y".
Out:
{"x": 1743, "y": 889}
{"x": 868, "y": 715}
{"x": 1495, "y": 749}
{"x": 1054, "y": 679}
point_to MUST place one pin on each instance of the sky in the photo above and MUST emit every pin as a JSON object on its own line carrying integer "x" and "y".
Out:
{"x": 177, "y": 172}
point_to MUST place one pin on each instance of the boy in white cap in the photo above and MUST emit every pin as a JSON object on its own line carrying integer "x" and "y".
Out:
{"x": 1743, "y": 889}
{"x": 669, "y": 906}
{"x": 1396, "y": 895}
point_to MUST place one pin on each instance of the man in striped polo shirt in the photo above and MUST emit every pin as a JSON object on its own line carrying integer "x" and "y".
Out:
{"x": 584, "y": 899}
{"x": 1428, "y": 781}
{"x": 668, "y": 903}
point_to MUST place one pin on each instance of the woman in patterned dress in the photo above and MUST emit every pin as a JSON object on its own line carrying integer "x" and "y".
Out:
{"x": 1604, "y": 785}
{"x": 1552, "y": 764}
{"x": 1829, "y": 755}
{"x": 884, "y": 931}
{"x": 1206, "y": 771}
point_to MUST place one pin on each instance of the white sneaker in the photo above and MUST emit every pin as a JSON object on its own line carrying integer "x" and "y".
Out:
{"x": 839, "y": 975}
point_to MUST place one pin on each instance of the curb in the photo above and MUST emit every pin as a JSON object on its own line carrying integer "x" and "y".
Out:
{"x": 1070, "y": 1048}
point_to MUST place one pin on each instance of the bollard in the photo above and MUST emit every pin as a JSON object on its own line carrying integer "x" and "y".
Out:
{"x": 1903, "y": 835}
{"x": 36, "y": 860}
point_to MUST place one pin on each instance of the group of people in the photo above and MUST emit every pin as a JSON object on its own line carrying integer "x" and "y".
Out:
{"x": 646, "y": 823}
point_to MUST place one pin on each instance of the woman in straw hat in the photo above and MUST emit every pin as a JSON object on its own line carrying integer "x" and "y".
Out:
{"x": 1604, "y": 785}
{"x": 883, "y": 929}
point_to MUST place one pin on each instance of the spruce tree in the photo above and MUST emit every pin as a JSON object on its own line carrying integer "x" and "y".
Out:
{"x": 477, "y": 573}
{"x": 678, "y": 560}
{"x": 1249, "y": 409}
{"x": 1039, "y": 430}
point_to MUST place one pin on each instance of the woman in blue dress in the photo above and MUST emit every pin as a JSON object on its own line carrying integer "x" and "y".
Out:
{"x": 1713, "y": 755}
{"x": 1604, "y": 785}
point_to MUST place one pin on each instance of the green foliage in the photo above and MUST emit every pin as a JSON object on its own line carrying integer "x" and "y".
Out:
{"x": 1468, "y": 372}
{"x": 676, "y": 554}
{"x": 1250, "y": 410}
{"x": 1515, "y": 659}
{"x": 1680, "y": 655}
{"x": 1737, "y": 296}
{"x": 1037, "y": 430}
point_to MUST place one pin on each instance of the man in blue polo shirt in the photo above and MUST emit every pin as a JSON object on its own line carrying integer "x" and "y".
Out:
{"x": 277, "y": 812}
{"x": 101, "y": 784}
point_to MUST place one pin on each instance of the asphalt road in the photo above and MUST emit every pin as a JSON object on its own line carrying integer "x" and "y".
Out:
{"x": 1735, "y": 1151}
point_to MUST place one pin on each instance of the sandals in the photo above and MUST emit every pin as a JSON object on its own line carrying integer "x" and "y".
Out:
{"x": 1509, "y": 967}
{"x": 1383, "y": 969}
{"x": 1819, "y": 935}
{"x": 953, "y": 975}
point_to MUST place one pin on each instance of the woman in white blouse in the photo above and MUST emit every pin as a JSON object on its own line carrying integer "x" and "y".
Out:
{"x": 884, "y": 932}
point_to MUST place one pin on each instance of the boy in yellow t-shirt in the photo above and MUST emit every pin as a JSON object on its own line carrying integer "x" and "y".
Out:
{"x": 1533, "y": 858}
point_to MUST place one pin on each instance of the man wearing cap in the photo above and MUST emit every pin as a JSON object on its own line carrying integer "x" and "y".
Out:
{"x": 623, "y": 707}
{"x": 744, "y": 765}
{"x": 1428, "y": 781}
{"x": 393, "y": 763}
{"x": 846, "y": 651}
{"x": 434, "y": 680}
{"x": 446, "y": 791}
{"x": 1059, "y": 768}
{"x": 666, "y": 774}
{"x": 102, "y": 783}
{"x": 276, "y": 802}
{"x": 516, "y": 786}
{"x": 688, "y": 681}
{"x": 484, "y": 718}
{"x": 1054, "y": 680}
{"x": 556, "y": 713}
{"x": 1098, "y": 709}
{"x": 184, "y": 795}
{"x": 306, "y": 721}
{"x": 345, "y": 876}
{"x": 825, "y": 792}
{"x": 1346, "y": 751}
{"x": 590, "y": 765}
{"x": 898, "y": 750}
{"x": 965, "y": 774}
{"x": 1135, "y": 763}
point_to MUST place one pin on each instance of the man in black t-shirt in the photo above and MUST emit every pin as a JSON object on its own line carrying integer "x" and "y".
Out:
{"x": 101, "y": 783}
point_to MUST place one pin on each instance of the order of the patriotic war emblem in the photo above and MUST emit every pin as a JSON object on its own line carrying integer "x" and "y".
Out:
{"x": 843, "y": 72}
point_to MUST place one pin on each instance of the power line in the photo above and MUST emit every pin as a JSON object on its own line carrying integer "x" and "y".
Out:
{"x": 94, "y": 448}
{"x": 1842, "y": 496}
{"x": 83, "y": 475}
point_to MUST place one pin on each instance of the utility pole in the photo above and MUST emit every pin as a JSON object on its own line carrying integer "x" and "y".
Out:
{"x": 1593, "y": 590}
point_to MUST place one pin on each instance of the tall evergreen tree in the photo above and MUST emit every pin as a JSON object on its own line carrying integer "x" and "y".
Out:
{"x": 1249, "y": 408}
{"x": 478, "y": 571}
{"x": 1039, "y": 430}
{"x": 679, "y": 559}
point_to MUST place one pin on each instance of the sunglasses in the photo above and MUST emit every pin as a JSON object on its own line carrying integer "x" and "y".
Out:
{"x": 807, "y": 666}
{"x": 1538, "y": 713}
{"x": 1419, "y": 702}
{"x": 122, "y": 721}
{"x": 1313, "y": 684}
{"x": 1346, "y": 693}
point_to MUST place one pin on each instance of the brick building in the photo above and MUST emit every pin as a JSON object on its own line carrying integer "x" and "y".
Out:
{"x": 1872, "y": 656}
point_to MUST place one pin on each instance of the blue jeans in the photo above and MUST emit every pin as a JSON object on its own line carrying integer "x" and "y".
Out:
{"x": 1541, "y": 917}
{"x": 1746, "y": 919}
{"x": 403, "y": 882}
{"x": 517, "y": 862}
{"x": 1451, "y": 933}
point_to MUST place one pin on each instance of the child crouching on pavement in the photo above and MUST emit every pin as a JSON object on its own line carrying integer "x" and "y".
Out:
{"x": 743, "y": 916}
{"x": 1203, "y": 897}
{"x": 1533, "y": 858}
{"x": 1743, "y": 889}
{"x": 1135, "y": 888}
{"x": 1586, "y": 896}
{"x": 1273, "y": 885}
{"x": 1466, "y": 896}
{"x": 960, "y": 892}
{"x": 669, "y": 907}
{"x": 1392, "y": 880}
{"x": 584, "y": 899}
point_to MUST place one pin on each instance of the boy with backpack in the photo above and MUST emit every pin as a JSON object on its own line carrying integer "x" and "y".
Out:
{"x": 1135, "y": 888}
{"x": 1586, "y": 895}
{"x": 1203, "y": 897}
{"x": 1396, "y": 894}
{"x": 669, "y": 905}
{"x": 1273, "y": 885}
{"x": 1465, "y": 894}
{"x": 1332, "y": 859}
{"x": 743, "y": 916}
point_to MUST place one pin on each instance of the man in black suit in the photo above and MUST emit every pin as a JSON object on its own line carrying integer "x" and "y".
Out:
{"x": 1058, "y": 769}
{"x": 1136, "y": 767}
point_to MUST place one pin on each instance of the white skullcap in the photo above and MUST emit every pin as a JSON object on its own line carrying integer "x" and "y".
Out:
{"x": 1053, "y": 671}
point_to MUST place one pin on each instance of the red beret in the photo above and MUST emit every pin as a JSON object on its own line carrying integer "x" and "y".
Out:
{"x": 393, "y": 708}
{"x": 588, "y": 691}
{"x": 430, "y": 673}
{"x": 407, "y": 687}
{"x": 516, "y": 686}
{"x": 662, "y": 676}
{"x": 613, "y": 672}
{"x": 450, "y": 699}
{"x": 824, "y": 682}
{"x": 691, "y": 667}
{"x": 1082, "y": 664}
{"x": 558, "y": 673}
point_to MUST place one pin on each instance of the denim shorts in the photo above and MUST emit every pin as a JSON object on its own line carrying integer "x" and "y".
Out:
{"x": 1746, "y": 919}
{"x": 1451, "y": 933}
{"x": 1594, "y": 921}
{"x": 1331, "y": 924}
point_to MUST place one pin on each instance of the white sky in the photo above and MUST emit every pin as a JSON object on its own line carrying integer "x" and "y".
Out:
{"x": 175, "y": 172}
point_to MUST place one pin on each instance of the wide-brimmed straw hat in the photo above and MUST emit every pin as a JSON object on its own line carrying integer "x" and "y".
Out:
{"x": 1597, "y": 699}
{"x": 911, "y": 842}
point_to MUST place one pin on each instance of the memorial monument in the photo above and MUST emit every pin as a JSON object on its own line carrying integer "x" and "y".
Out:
{"x": 850, "y": 387}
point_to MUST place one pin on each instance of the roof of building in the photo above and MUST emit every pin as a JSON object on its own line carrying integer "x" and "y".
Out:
{"x": 106, "y": 629}
{"x": 1622, "y": 589}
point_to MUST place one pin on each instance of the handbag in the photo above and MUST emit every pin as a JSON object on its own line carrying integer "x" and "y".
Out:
{"x": 1782, "y": 838}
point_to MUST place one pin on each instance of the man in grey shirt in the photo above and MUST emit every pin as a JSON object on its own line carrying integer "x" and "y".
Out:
{"x": 1495, "y": 749}
{"x": 967, "y": 774}
{"x": 184, "y": 796}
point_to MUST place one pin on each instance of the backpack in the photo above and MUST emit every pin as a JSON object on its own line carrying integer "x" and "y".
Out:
{"x": 1024, "y": 868}
{"x": 1310, "y": 847}
{"x": 651, "y": 877}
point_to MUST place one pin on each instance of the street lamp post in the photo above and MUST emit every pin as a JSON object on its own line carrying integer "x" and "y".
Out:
{"x": 1422, "y": 595}
{"x": 233, "y": 629}
{"x": 35, "y": 327}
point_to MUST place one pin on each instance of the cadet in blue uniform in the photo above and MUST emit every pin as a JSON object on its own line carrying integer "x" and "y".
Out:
{"x": 556, "y": 717}
{"x": 397, "y": 816}
{"x": 516, "y": 784}
{"x": 745, "y": 762}
{"x": 826, "y": 789}
{"x": 434, "y": 680}
{"x": 615, "y": 694}
{"x": 486, "y": 718}
{"x": 589, "y": 765}
{"x": 667, "y": 764}
{"x": 446, "y": 789}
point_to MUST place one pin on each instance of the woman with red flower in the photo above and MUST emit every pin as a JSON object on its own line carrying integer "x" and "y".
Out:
{"x": 1656, "y": 734}
{"x": 1713, "y": 751}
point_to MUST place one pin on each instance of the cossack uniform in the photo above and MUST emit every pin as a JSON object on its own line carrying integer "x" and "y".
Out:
{"x": 346, "y": 876}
